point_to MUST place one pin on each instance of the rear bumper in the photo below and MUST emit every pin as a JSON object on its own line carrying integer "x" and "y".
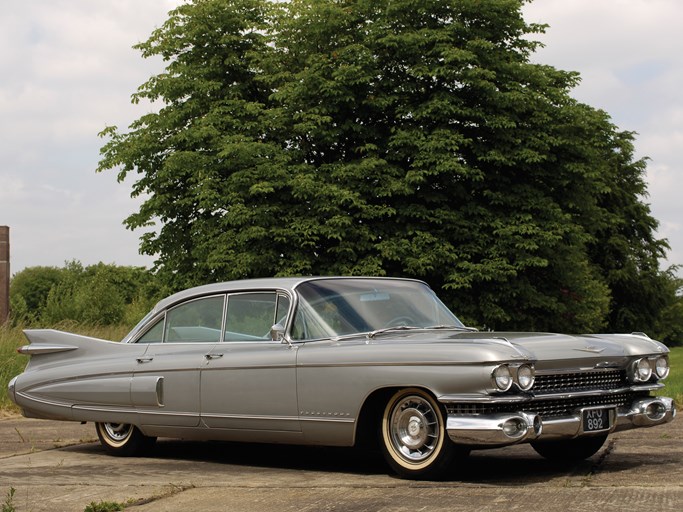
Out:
{"x": 502, "y": 429}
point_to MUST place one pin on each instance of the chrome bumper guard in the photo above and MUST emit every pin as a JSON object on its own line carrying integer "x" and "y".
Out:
{"x": 502, "y": 429}
{"x": 493, "y": 429}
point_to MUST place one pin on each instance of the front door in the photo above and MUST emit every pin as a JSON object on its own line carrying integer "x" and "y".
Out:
{"x": 249, "y": 380}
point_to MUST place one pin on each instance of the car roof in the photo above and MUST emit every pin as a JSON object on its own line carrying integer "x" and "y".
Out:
{"x": 246, "y": 285}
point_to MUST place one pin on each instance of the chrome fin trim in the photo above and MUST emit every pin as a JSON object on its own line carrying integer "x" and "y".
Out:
{"x": 44, "y": 348}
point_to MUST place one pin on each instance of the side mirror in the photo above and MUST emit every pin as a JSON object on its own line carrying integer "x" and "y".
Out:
{"x": 277, "y": 332}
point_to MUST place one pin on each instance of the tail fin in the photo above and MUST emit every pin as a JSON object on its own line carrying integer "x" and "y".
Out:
{"x": 50, "y": 341}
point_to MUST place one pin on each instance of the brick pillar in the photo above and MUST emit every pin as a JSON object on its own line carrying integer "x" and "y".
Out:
{"x": 4, "y": 274}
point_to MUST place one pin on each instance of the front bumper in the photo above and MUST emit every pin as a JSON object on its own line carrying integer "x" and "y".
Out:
{"x": 502, "y": 429}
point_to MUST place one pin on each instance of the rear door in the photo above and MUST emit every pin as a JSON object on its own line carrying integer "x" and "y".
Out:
{"x": 167, "y": 377}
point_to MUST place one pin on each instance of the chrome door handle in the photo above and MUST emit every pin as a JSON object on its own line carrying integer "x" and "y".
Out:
{"x": 213, "y": 356}
{"x": 144, "y": 359}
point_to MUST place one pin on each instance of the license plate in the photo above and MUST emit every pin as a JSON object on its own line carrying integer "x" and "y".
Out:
{"x": 595, "y": 420}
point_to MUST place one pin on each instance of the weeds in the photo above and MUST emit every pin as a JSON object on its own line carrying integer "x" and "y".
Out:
{"x": 11, "y": 363}
{"x": 8, "y": 505}
{"x": 104, "y": 506}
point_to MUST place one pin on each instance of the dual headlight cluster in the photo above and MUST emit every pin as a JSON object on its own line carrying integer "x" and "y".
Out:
{"x": 504, "y": 376}
{"x": 641, "y": 370}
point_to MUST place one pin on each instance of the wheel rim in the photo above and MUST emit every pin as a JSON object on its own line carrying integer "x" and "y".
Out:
{"x": 414, "y": 429}
{"x": 117, "y": 433}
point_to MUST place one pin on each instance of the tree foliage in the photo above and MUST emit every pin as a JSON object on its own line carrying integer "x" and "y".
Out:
{"x": 402, "y": 137}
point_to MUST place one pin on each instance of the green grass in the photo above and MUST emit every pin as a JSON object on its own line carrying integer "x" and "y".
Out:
{"x": 674, "y": 382}
{"x": 11, "y": 363}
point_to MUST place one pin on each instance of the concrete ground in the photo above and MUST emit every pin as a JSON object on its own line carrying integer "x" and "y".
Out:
{"x": 57, "y": 466}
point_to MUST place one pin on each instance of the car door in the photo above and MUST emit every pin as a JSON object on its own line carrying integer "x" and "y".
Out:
{"x": 178, "y": 346}
{"x": 249, "y": 381}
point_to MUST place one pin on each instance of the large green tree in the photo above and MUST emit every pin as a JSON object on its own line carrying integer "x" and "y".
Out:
{"x": 388, "y": 137}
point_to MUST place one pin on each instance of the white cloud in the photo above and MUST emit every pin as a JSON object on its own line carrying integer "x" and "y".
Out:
{"x": 628, "y": 53}
{"x": 68, "y": 71}
{"x": 11, "y": 188}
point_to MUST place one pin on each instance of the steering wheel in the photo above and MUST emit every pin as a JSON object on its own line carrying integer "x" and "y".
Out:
{"x": 399, "y": 321}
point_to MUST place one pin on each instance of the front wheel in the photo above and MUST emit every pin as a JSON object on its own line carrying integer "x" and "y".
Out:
{"x": 413, "y": 435}
{"x": 570, "y": 450}
{"x": 123, "y": 439}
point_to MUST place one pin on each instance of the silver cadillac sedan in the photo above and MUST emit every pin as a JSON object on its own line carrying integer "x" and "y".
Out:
{"x": 342, "y": 361}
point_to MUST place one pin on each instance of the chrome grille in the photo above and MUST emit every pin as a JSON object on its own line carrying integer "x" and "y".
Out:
{"x": 580, "y": 381}
{"x": 564, "y": 407}
{"x": 548, "y": 408}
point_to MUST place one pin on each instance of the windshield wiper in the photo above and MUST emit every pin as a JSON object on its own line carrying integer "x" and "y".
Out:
{"x": 456, "y": 327}
{"x": 372, "y": 334}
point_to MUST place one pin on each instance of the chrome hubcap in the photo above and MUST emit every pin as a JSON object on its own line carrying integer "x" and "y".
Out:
{"x": 117, "y": 431}
{"x": 414, "y": 428}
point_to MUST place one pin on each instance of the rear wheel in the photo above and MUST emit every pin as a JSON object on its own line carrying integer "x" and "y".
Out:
{"x": 123, "y": 439}
{"x": 413, "y": 435}
{"x": 570, "y": 450}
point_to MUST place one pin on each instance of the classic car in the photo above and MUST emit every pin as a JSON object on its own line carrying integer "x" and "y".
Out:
{"x": 343, "y": 361}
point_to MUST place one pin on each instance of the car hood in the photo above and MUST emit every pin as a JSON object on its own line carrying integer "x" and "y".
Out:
{"x": 584, "y": 350}
{"x": 549, "y": 350}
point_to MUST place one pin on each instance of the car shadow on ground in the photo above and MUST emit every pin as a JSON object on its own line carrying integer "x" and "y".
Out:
{"x": 513, "y": 466}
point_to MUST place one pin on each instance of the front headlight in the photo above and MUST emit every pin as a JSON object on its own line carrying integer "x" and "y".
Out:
{"x": 641, "y": 370}
{"x": 662, "y": 367}
{"x": 502, "y": 378}
{"x": 525, "y": 377}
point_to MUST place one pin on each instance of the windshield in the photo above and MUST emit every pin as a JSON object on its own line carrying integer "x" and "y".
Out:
{"x": 341, "y": 307}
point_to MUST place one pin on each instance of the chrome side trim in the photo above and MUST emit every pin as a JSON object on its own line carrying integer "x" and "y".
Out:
{"x": 142, "y": 412}
{"x": 249, "y": 417}
{"x": 254, "y": 367}
{"x": 40, "y": 400}
{"x": 393, "y": 363}
{"x": 323, "y": 419}
{"x": 328, "y": 420}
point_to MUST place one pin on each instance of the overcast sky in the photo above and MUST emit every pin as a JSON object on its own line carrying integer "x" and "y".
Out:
{"x": 67, "y": 70}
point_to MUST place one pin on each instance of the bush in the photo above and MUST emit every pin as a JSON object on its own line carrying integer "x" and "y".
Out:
{"x": 29, "y": 292}
{"x": 98, "y": 294}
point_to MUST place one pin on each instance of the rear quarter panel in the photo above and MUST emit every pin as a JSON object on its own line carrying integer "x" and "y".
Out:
{"x": 94, "y": 373}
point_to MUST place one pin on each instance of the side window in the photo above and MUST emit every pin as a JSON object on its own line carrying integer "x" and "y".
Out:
{"x": 155, "y": 334}
{"x": 198, "y": 320}
{"x": 250, "y": 316}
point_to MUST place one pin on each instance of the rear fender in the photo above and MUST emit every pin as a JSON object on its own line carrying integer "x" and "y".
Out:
{"x": 50, "y": 348}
